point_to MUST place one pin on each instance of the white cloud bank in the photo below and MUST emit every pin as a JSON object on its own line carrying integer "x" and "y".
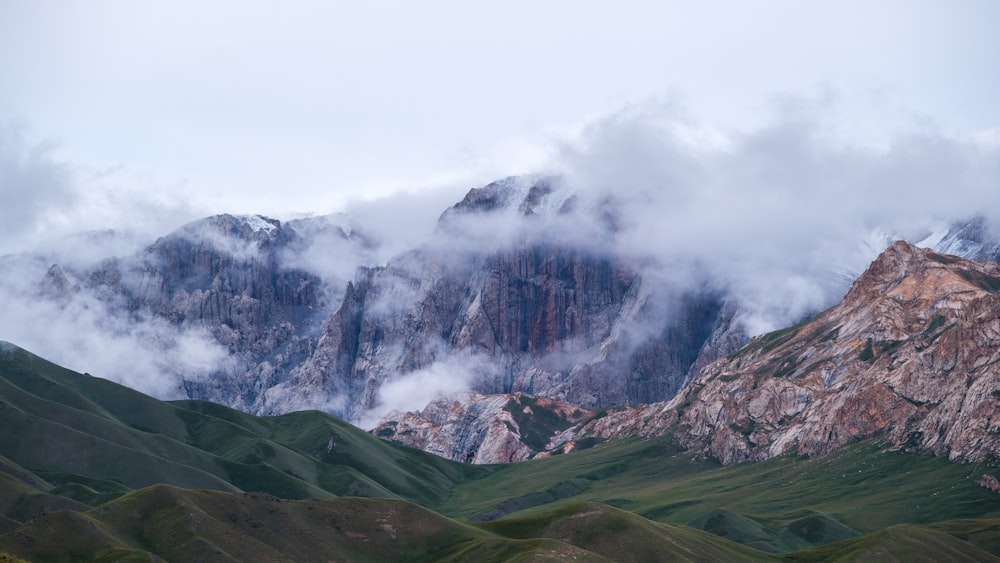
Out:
{"x": 772, "y": 214}
{"x": 74, "y": 328}
{"x": 414, "y": 390}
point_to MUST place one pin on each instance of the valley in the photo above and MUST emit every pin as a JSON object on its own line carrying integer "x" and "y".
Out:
{"x": 99, "y": 466}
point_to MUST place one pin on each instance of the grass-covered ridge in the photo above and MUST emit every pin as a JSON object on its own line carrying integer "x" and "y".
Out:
{"x": 89, "y": 434}
{"x": 113, "y": 473}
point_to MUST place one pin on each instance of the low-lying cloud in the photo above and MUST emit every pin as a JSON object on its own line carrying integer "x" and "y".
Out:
{"x": 69, "y": 325}
{"x": 781, "y": 216}
{"x": 45, "y": 198}
{"x": 414, "y": 390}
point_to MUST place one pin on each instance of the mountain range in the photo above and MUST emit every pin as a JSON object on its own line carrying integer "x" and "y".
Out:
{"x": 633, "y": 389}
{"x": 523, "y": 288}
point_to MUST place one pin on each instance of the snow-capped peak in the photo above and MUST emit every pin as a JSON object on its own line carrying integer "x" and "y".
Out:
{"x": 259, "y": 223}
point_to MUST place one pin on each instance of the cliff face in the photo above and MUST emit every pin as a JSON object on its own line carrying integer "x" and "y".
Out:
{"x": 228, "y": 275}
{"x": 910, "y": 355}
{"x": 547, "y": 319}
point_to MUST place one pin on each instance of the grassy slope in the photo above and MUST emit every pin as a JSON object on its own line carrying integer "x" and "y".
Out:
{"x": 972, "y": 541}
{"x": 624, "y": 536}
{"x": 185, "y": 525}
{"x": 779, "y": 505}
{"x": 72, "y": 441}
{"x": 84, "y": 432}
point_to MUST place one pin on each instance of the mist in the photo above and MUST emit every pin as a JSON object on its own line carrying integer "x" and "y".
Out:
{"x": 413, "y": 391}
{"x": 781, "y": 217}
{"x": 48, "y": 313}
{"x": 51, "y": 204}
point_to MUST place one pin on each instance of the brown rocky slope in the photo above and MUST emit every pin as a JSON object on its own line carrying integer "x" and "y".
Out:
{"x": 911, "y": 355}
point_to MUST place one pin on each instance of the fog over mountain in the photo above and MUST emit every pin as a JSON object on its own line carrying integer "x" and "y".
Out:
{"x": 771, "y": 212}
{"x": 774, "y": 221}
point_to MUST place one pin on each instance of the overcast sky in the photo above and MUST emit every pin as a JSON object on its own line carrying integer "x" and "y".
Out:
{"x": 159, "y": 111}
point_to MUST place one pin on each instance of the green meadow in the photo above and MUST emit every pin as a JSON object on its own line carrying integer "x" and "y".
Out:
{"x": 93, "y": 471}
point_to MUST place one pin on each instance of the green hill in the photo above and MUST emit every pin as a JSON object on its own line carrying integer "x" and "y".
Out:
{"x": 91, "y": 470}
{"x": 90, "y": 434}
{"x": 778, "y": 505}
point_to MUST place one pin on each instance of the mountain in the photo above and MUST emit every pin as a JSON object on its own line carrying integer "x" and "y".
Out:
{"x": 525, "y": 287}
{"x": 909, "y": 355}
{"x": 540, "y": 316}
{"x": 220, "y": 309}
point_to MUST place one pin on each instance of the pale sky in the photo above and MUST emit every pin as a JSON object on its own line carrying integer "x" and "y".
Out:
{"x": 181, "y": 108}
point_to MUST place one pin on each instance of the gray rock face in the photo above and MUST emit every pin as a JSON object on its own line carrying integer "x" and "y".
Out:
{"x": 551, "y": 320}
{"x": 226, "y": 274}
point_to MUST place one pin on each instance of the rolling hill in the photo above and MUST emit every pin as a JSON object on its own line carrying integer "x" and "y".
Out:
{"x": 114, "y": 474}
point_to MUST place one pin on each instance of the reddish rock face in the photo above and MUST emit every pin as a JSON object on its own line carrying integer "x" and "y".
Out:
{"x": 911, "y": 355}
{"x": 476, "y": 428}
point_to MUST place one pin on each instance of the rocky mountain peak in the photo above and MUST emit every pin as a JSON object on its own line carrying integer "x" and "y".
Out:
{"x": 238, "y": 235}
{"x": 509, "y": 193}
{"x": 910, "y": 355}
{"x": 56, "y": 285}
{"x": 908, "y": 272}
{"x": 519, "y": 196}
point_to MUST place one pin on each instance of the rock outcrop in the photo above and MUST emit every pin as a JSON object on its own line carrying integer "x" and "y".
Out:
{"x": 229, "y": 275}
{"x": 561, "y": 320}
{"x": 476, "y": 428}
{"x": 909, "y": 356}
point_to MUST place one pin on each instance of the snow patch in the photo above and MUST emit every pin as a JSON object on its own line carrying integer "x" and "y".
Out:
{"x": 517, "y": 189}
{"x": 258, "y": 223}
{"x": 937, "y": 236}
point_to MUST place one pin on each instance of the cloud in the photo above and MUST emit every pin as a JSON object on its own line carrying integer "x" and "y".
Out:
{"x": 414, "y": 390}
{"x": 33, "y": 186}
{"x": 48, "y": 313}
{"x": 45, "y": 198}
{"x": 780, "y": 217}
{"x": 404, "y": 219}
{"x": 330, "y": 247}
{"x": 771, "y": 213}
